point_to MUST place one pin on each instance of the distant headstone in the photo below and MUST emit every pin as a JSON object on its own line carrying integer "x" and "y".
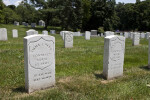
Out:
{"x": 147, "y": 35}
{"x": 87, "y": 35}
{"x": 45, "y": 32}
{"x": 41, "y": 23}
{"x": 136, "y": 39}
{"x": 16, "y": 23}
{"x": 3, "y": 34}
{"x": 121, "y": 34}
{"x": 33, "y": 25}
{"x": 31, "y": 32}
{"x": 93, "y": 32}
{"x": 68, "y": 39}
{"x": 126, "y": 34}
{"x": 15, "y": 33}
{"x": 113, "y": 61}
{"x": 102, "y": 34}
{"x": 142, "y": 35}
{"x": 52, "y": 31}
{"x": 131, "y": 35}
{"x": 39, "y": 58}
{"x": 108, "y": 33}
{"x": 76, "y": 34}
{"x": 23, "y": 23}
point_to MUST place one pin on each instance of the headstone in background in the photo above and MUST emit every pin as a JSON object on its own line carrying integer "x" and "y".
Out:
{"x": 15, "y": 33}
{"x": 126, "y": 34}
{"x": 87, "y": 35}
{"x": 136, "y": 39}
{"x": 108, "y": 33}
{"x": 68, "y": 39}
{"x": 113, "y": 61}
{"x": 131, "y": 35}
{"x": 76, "y": 34}
{"x": 16, "y": 23}
{"x": 39, "y": 59}
{"x": 52, "y": 31}
{"x": 121, "y": 34}
{"x": 143, "y": 35}
{"x": 45, "y": 32}
{"x": 3, "y": 34}
{"x": 23, "y": 23}
{"x": 33, "y": 25}
{"x": 93, "y": 32}
{"x": 102, "y": 34}
{"x": 31, "y": 32}
{"x": 147, "y": 35}
{"x": 41, "y": 23}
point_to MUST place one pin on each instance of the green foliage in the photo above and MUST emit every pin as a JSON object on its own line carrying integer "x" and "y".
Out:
{"x": 1, "y": 11}
{"x": 101, "y": 29}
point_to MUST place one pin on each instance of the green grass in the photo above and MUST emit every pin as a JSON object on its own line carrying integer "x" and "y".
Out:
{"x": 78, "y": 70}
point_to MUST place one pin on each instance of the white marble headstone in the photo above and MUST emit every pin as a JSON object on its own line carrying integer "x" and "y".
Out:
{"x": 68, "y": 39}
{"x": 52, "y": 31}
{"x": 3, "y": 34}
{"x": 87, "y": 35}
{"x": 147, "y": 35}
{"x": 136, "y": 39}
{"x": 45, "y": 32}
{"x": 31, "y": 32}
{"x": 39, "y": 59}
{"x": 76, "y": 34}
{"x": 113, "y": 61}
{"x": 143, "y": 35}
{"x": 126, "y": 34}
{"x": 15, "y": 33}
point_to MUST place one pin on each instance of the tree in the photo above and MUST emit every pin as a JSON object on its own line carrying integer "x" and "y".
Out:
{"x": 1, "y": 11}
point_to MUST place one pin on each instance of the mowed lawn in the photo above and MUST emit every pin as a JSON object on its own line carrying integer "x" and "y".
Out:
{"x": 78, "y": 70}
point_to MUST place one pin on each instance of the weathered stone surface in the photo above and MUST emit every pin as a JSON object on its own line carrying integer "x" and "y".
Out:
{"x": 94, "y": 32}
{"x": 76, "y": 34}
{"x": 143, "y": 35}
{"x": 39, "y": 59}
{"x": 16, "y": 23}
{"x": 87, "y": 35}
{"x": 113, "y": 61}
{"x": 31, "y": 32}
{"x": 68, "y": 39}
{"x": 52, "y": 31}
{"x": 126, "y": 34}
{"x": 15, "y": 33}
{"x": 45, "y": 32}
{"x": 147, "y": 35}
{"x": 3, "y": 34}
{"x": 41, "y": 23}
{"x": 108, "y": 33}
{"x": 136, "y": 39}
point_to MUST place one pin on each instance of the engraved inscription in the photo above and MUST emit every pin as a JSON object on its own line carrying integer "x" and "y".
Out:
{"x": 116, "y": 53}
{"x": 68, "y": 37}
{"x": 42, "y": 76}
{"x": 41, "y": 54}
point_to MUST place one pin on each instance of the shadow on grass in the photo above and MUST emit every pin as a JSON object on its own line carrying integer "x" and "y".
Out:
{"x": 99, "y": 76}
{"x": 145, "y": 68}
{"x": 19, "y": 89}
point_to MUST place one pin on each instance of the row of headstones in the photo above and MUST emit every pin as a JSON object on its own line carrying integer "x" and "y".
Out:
{"x": 39, "y": 53}
{"x": 3, "y": 33}
{"x": 41, "y": 23}
{"x": 39, "y": 57}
